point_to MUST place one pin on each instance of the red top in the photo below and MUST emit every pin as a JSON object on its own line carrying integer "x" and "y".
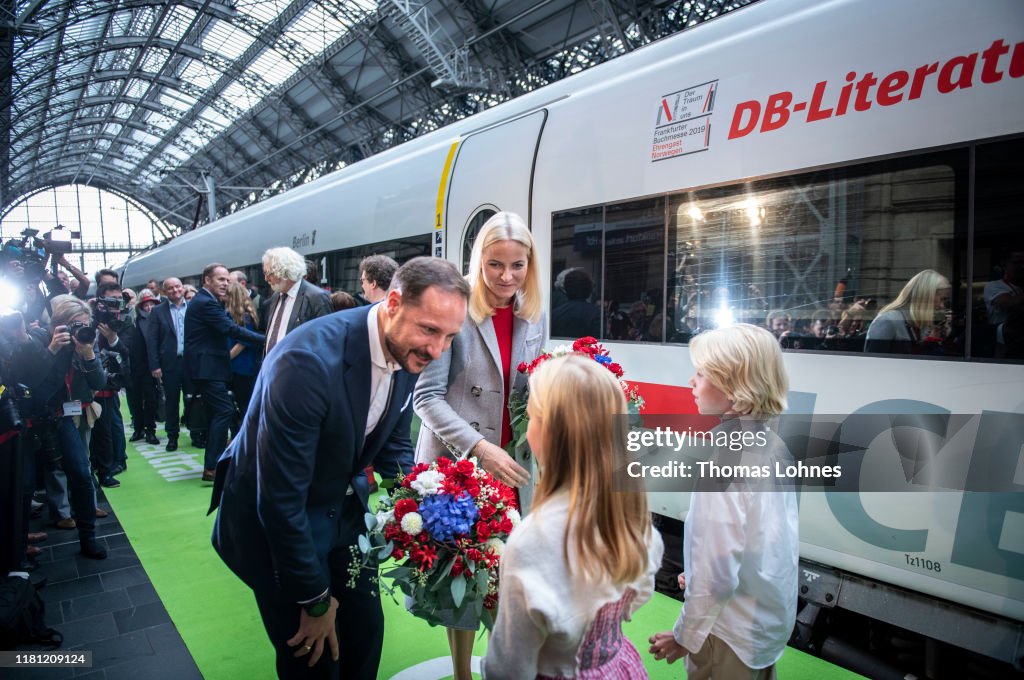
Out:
{"x": 502, "y": 321}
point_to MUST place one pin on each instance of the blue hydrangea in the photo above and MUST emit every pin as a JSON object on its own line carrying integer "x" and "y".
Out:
{"x": 602, "y": 359}
{"x": 446, "y": 516}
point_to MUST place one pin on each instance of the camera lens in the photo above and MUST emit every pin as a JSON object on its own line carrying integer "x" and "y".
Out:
{"x": 86, "y": 335}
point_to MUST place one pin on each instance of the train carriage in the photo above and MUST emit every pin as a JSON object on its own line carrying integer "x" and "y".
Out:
{"x": 792, "y": 160}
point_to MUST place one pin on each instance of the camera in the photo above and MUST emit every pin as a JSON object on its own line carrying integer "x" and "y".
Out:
{"x": 115, "y": 368}
{"x": 109, "y": 310}
{"x": 10, "y": 414}
{"x": 82, "y": 332}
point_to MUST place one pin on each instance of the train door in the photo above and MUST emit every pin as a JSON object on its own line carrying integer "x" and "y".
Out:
{"x": 493, "y": 171}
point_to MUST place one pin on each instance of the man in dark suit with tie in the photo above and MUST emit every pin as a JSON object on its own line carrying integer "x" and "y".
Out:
{"x": 165, "y": 348}
{"x": 295, "y": 300}
{"x": 333, "y": 397}
{"x": 207, "y": 361}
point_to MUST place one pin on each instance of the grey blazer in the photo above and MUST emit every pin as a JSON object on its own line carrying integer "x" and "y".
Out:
{"x": 459, "y": 397}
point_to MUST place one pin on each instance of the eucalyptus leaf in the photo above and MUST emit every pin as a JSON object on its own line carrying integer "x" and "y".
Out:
{"x": 458, "y": 590}
{"x": 444, "y": 574}
{"x": 364, "y": 544}
{"x": 384, "y": 552}
{"x": 370, "y": 520}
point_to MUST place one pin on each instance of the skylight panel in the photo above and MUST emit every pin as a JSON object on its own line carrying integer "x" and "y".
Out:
{"x": 227, "y": 40}
{"x": 273, "y": 67}
{"x": 177, "y": 23}
{"x": 199, "y": 74}
{"x": 214, "y": 118}
{"x": 160, "y": 121}
{"x": 238, "y": 95}
{"x": 88, "y": 29}
{"x": 176, "y": 100}
{"x": 263, "y": 11}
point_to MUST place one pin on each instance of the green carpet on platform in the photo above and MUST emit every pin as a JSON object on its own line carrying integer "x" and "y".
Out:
{"x": 163, "y": 513}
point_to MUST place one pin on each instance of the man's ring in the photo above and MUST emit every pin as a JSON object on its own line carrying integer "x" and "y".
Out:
{"x": 307, "y": 647}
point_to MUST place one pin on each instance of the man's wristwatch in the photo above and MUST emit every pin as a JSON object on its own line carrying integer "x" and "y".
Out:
{"x": 319, "y": 606}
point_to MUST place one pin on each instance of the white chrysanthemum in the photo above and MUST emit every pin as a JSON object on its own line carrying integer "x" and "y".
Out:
{"x": 561, "y": 350}
{"x": 427, "y": 483}
{"x": 514, "y": 516}
{"x": 384, "y": 517}
{"x": 412, "y": 523}
{"x": 496, "y": 546}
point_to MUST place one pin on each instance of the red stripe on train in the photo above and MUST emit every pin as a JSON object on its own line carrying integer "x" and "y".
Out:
{"x": 666, "y": 398}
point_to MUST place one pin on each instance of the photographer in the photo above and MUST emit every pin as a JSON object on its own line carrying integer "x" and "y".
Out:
{"x": 107, "y": 445}
{"x": 15, "y": 486}
{"x": 62, "y": 370}
{"x": 81, "y": 288}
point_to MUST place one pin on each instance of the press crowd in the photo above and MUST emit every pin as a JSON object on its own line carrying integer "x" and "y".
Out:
{"x": 71, "y": 346}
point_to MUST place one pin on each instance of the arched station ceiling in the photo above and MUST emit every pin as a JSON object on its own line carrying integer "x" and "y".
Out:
{"x": 149, "y": 97}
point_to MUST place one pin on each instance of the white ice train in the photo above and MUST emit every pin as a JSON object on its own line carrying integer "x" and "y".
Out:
{"x": 792, "y": 157}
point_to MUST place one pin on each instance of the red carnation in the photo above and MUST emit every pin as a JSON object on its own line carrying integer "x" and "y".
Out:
{"x": 487, "y": 511}
{"x": 584, "y": 343}
{"x": 458, "y": 567}
{"x": 465, "y": 467}
{"x": 522, "y": 367}
{"x": 616, "y": 369}
{"x": 397, "y": 554}
{"x": 404, "y": 507}
{"x": 483, "y": 531}
{"x": 475, "y": 555}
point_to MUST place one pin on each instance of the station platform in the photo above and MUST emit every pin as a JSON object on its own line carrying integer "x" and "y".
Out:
{"x": 163, "y": 605}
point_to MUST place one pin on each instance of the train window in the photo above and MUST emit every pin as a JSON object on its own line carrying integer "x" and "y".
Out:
{"x": 576, "y": 264}
{"x": 343, "y": 265}
{"x": 836, "y": 260}
{"x": 472, "y": 229}
{"x": 997, "y": 291}
{"x": 816, "y": 257}
{"x": 634, "y": 271}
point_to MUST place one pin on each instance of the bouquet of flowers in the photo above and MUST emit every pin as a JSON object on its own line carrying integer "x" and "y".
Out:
{"x": 587, "y": 346}
{"x": 445, "y": 526}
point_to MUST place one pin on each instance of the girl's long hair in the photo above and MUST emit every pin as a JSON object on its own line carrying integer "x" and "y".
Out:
{"x": 583, "y": 418}
{"x": 239, "y": 304}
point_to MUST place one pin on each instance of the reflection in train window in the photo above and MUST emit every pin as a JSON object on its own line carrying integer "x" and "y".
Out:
{"x": 634, "y": 271}
{"x": 815, "y": 257}
{"x": 343, "y": 265}
{"x": 472, "y": 229}
{"x": 576, "y": 264}
{"x": 997, "y": 288}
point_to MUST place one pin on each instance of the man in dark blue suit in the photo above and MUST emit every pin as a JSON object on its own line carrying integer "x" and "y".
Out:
{"x": 207, "y": 361}
{"x": 334, "y": 396}
{"x": 165, "y": 351}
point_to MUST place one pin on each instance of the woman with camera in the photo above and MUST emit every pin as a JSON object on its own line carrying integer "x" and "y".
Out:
{"x": 62, "y": 371}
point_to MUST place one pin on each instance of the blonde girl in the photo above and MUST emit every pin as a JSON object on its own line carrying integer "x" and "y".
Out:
{"x": 584, "y": 559}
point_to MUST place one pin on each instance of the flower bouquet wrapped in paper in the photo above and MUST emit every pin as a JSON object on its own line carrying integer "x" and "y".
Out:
{"x": 445, "y": 527}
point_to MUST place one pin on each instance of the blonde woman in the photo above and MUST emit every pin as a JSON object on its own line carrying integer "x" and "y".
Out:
{"x": 741, "y": 544}
{"x": 584, "y": 559}
{"x": 919, "y": 312}
{"x": 245, "y": 358}
{"x": 462, "y": 398}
